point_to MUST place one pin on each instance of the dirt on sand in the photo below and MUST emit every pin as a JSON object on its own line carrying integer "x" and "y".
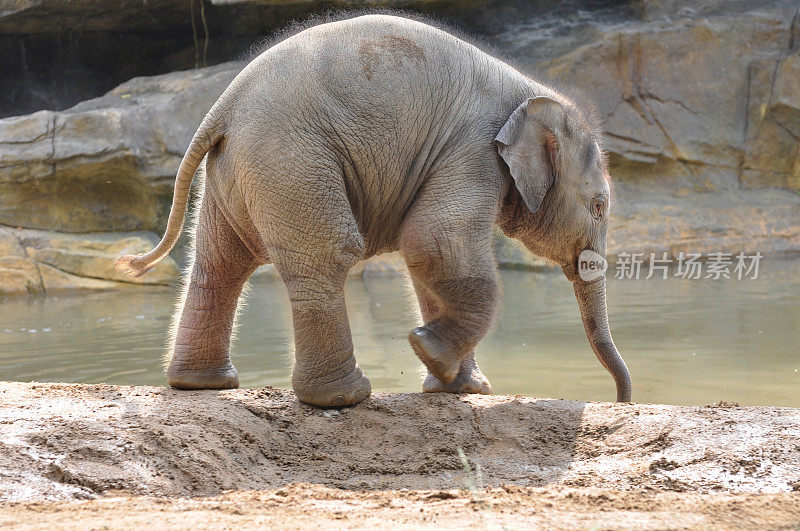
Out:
{"x": 115, "y": 456}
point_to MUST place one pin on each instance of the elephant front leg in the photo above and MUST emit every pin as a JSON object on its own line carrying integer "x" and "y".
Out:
{"x": 470, "y": 379}
{"x": 455, "y": 271}
{"x": 200, "y": 357}
{"x": 443, "y": 343}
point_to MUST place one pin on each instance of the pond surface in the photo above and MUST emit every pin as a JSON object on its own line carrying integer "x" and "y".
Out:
{"x": 685, "y": 341}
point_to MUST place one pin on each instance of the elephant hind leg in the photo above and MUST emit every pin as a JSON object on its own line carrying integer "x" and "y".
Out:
{"x": 325, "y": 371}
{"x": 310, "y": 234}
{"x": 222, "y": 264}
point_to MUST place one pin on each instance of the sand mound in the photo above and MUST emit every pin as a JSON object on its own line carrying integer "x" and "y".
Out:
{"x": 258, "y": 458}
{"x": 62, "y": 441}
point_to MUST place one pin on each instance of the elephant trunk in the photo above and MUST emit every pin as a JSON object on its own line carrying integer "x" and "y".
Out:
{"x": 594, "y": 313}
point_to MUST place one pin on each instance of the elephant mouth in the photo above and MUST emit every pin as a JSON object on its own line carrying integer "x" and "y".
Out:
{"x": 570, "y": 270}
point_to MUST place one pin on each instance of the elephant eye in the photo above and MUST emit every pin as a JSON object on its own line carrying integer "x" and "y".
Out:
{"x": 598, "y": 207}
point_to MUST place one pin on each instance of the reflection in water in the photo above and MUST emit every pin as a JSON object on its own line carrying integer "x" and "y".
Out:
{"x": 685, "y": 341}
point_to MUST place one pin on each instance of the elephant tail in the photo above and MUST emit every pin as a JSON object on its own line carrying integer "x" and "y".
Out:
{"x": 208, "y": 134}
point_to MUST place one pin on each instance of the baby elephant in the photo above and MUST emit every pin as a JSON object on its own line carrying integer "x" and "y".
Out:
{"x": 369, "y": 135}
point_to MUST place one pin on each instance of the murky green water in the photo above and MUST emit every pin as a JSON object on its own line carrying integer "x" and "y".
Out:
{"x": 685, "y": 341}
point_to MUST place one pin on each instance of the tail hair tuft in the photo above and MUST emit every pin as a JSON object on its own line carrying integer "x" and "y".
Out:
{"x": 131, "y": 265}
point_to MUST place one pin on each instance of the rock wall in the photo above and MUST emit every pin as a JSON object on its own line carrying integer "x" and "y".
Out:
{"x": 37, "y": 261}
{"x": 700, "y": 102}
{"x": 109, "y": 163}
{"x": 57, "y": 53}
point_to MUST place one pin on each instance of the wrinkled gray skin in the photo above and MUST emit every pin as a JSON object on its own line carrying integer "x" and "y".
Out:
{"x": 365, "y": 136}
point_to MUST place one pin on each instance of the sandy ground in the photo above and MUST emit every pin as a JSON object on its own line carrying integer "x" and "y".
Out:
{"x": 101, "y": 456}
{"x": 303, "y": 506}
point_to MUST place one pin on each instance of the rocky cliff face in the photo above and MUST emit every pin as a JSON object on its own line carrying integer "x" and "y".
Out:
{"x": 700, "y": 101}
{"x": 703, "y": 101}
{"x": 57, "y": 53}
{"x": 700, "y": 104}
{"x": 109, "y": 163}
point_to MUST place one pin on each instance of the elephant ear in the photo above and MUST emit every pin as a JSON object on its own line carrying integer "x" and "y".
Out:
{"x": 529, "y": 145}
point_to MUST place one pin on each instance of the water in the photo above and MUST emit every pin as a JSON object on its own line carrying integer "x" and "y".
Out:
{"x": 685, "y": 341}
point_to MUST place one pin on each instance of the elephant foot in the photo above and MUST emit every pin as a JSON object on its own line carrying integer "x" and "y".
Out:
{"x": 436, "y": 353}
{"x": 224, "y": 377}
{"x": 323, "y": 392}
{"x": 470, "y": 379}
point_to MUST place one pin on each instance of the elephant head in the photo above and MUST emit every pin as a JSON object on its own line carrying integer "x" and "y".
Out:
{"x": 559, "y": 206}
